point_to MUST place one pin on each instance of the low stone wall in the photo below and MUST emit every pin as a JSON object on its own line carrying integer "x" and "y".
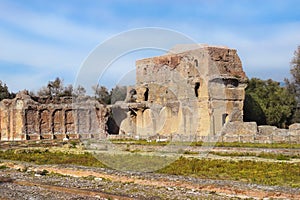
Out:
{"x": 245, "y": 132}
{"x": 250, "y": 132}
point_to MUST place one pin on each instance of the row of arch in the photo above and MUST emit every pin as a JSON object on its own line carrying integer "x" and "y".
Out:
{"x": 59, "y": 121}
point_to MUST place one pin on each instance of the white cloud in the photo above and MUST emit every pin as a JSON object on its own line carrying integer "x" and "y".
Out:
{"x": 50, "y": 26}
{"x": 52, "y": 43}
{"x": 37, "y": 54}
{"x": 265, "y": 51}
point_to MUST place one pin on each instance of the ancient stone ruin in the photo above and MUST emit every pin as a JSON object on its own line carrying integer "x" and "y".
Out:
{"x": 29, "y": 118}
{"x": 190, "y": 93}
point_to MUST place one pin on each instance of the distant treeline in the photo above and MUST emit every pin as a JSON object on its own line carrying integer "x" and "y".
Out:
{"x": 56, "y": 88}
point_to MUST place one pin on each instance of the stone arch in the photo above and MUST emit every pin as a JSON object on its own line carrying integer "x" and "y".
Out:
{"x": 196, "y": 63}
{"x": 57, "y": 121}
{"x": 161, "y": 120}
{"x": 45, "y": 121}
{"x": 146, "y": 94}
{"x": 83, "y": 120}
{"x": 148, "y": 122}
{"x": 225, "y": 118}
{"x": 69, "y": 121}
{"x": 31, "y": 121}
{"x": 132, "y": 95}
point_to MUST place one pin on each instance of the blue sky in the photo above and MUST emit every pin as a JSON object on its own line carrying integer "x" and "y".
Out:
{"x": 41, "y": 40}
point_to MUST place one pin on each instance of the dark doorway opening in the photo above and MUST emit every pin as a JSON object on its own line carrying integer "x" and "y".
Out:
{"x": 197, "y": 86}
{"x": 146, "y": 94}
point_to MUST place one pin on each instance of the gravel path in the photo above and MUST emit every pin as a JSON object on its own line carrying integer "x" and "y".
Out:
{"x": 73, "y": 182}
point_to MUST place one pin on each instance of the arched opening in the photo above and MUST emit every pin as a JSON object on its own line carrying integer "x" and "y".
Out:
{"x": 132, "y": 95}
{"x": 197, "y": 86}
{"x": 112, "y": 126}
{"x": 132, "y": 92}
{"x": 224, "y": 118}
{"x": 146, "y": 94}
{"x": 196, "y": 62}
{"x": 231, "y": 82}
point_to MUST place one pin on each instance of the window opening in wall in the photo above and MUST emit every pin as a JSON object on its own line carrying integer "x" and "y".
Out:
{"x": 132, "y": 96}
{"x": 224, "y": 118}
{"x": 196, "y": 63}
{"x": 231, "y": 82}
{"x": 197, "y": 86}
{"x": 146, "y": 94}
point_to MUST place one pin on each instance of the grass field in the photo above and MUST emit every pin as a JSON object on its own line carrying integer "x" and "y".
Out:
{"x": 259, "y": 155}
{"x": 217, "y": 144}
{"x": 269, "y": 173}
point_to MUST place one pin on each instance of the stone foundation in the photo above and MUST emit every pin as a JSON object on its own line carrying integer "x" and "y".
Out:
{"x": 250, "y": 132}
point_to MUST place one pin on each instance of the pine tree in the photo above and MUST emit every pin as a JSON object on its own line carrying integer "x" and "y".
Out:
{"x": 4, "y": 92}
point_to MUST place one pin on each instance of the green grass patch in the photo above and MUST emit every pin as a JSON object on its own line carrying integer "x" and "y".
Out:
{"x": 284, "y": 174}
{"x": 129, "y": 161}
{"x": 3, "y": 167}
{"x": 268, "y": 173}
{"x": 260, "y": 155}
{"x": 258, "y": 145}
{"x": 45, "y": 157}
{"x": 138, "y": 142}
{"x": 201, "y": 143}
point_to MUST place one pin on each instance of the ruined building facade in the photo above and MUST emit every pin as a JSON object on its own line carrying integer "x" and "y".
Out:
{"x": 191, "y": 91}
{"x": 29, "y": 118}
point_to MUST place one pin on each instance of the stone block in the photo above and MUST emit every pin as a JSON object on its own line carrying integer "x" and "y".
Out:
{"x": 246, "y": 138}
{"x": 240, "y": 128}
{"x": 263, "y": 138}
{"x": 294, "y": 129}
{"x": 47, "y": 136}
{"x": 267, "y": 130}
{"x": 230, "y": 138}
{"x": 295, "y": 126}
{"x": 34, "y": 137}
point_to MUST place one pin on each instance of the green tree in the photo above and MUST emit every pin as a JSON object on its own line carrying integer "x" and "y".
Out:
{"x": 67, "y": 91}
{"x": 4, "y": 92}
{"x": 101, "y": 94}
{"x": 118, "y": 94}
{"x": 53, "y": 88}
{"x": 267, "y": 100}
{"x": 253, "y": 111}
{"x": 56, "y": 88}
{"x": 79, "y": 91}
{"x": 293, "y": 85}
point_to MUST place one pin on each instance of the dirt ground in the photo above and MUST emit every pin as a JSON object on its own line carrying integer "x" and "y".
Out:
{"x": 28, "y": 181}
